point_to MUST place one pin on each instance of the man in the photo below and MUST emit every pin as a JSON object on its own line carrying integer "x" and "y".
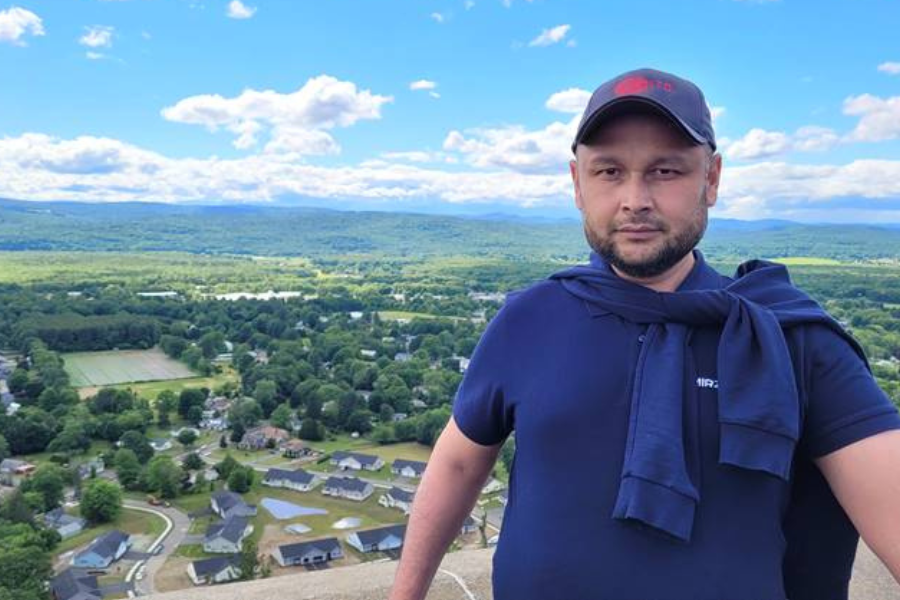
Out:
{"x": 671, "y": 423}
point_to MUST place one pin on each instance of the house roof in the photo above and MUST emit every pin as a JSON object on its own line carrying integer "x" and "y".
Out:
{"x": 73, "y": 585}
{"x": 268, "y": 431}
{"x": 363, "y": 459}
{"x": 231, "y": 529}
{"x": 417, "y": 466}
{"x": 11, "y": 464}
{"x": 300, "y": 548}
{"x": 58, "y": 518}
{"x": 375, "y": 536}
{"x": 298, "y": 476}
{"x": 107, "y": 544}
{"x": 211, "y": 566}
{"x": 400, "y": 494}
{"x": 350, "y": 484}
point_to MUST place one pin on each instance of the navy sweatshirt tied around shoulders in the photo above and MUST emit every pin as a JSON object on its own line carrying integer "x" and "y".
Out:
{"x": 759, "y": 406}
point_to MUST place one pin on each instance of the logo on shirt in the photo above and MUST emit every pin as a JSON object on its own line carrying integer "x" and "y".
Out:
{"x": 706, "y": 382}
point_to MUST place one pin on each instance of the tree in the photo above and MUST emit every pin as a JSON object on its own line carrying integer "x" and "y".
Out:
{"x": 265, "y": 394}
{"x": 137, "y": 443}
{"x": 4, "y": 448}
{"x": 240, "y": 479}
{"x": 249, "y": 560}
{"x": 186, "y": 437}
{"x": 223, "y": 441}
{"x": 281, "y": 416}
{"x": 246, "y": 411}
{"x": 507, "y": 452}
{"x": 163, "y": 476}
{"x": 166, "y": 403}
{"x": 101, "y": 501}
{"x": 128, "y": 468}
{"x": 311, "y": 430}
{"x": 49, "y": 481}
{"x": 193, "y": 462}
{"x": 226, "y": 466}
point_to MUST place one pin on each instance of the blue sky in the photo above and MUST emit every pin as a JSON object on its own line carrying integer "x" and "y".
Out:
{"x": 439, "y": 105}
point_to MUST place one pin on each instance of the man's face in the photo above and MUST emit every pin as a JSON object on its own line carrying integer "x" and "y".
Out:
{"x": 644, "y": 190}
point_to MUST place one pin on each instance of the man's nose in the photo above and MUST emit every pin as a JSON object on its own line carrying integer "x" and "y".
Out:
{"x": 636, "y": 195}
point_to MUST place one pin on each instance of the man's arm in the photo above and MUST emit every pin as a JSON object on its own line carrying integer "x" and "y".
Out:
{"x": 449, "y": 488}
{"x": 865, "y": 478}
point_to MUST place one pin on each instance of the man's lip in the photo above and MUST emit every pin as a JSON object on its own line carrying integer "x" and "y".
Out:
{"x": 637, "y": 229}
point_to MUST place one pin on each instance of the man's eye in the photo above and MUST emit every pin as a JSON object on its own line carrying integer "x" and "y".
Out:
{"x": 665, "y": 172}
{"x": 608, "y": 172}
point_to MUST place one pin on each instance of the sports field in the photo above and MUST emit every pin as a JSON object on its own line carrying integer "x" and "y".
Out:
{"x": 122, "y": 366}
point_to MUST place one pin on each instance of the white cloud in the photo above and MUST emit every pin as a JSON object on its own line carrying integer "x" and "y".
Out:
{"x": 759, "y": 143}
{"x": 572, "y": 100}
{"x": 296, "y": 119}
{"x": 879, "y": 118}
{"x": 91, "y": 55}
{"x": 438, "y": 17}
{"x": 16, "y": 23}
{"x": 891, "y": 68}
{"x": 716, "y": 112}
{"x": 422, "y": 84}
{"x": 239, "y": 10}
{"x": 551, "y": 36}
{"x": 515, "y": 148}
{"x": 41, "y": 167}
{"x": 434, "y": 95}
{"x": 469, "y": 4}
{"x": 97, "y": 36}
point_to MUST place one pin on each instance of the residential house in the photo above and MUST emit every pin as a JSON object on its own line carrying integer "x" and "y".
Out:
{"x": 306, "y": 553}
{"x": 14, "y": 471}
{"x": 298, "y": 480}
{"x": 95, "y": 466}
{"x": 296, "y": 449}
{"x": 378, "y": 540}
{"x": 160, "y": 444}
{"x": 356, "y": 461}
{"x": 397, "y": 498}
{"x": 227, "y": 537}
{"x": 368, "y": 353}
{"x": 348, "y": 487}
{"x": 503, "y": 497}
{"x": 356, "y": 315}
{"x": 470, "y": 525}
{"x": 260, "y": 437}
{"x": 219, "y": 569}
{"x": 103, "y": 551}
{"x": 492, "y": 485}
{"x": 408, "y": 468}
{"x": 71, "y": 584}
{"x": 64, "y": 524}
{"x": 228, "y": 504}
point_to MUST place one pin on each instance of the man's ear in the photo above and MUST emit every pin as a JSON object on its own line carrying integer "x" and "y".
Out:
{"x": 713, "y": 176}
{"x": 573, "y": 169}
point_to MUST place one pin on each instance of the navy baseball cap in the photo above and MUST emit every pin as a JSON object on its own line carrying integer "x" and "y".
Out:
{"x": 674, "y": 97}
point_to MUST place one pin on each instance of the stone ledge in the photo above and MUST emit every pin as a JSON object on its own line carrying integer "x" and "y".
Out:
{"x": 372, "y": 581}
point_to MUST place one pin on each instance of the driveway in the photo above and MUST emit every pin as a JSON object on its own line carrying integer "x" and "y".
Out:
{"x": 180, "y": 525}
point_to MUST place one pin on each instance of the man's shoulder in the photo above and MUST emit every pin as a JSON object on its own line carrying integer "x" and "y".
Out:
{"x": 539, "y": 295}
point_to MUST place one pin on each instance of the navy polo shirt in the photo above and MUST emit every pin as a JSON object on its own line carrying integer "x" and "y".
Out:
{"x": 558, "y": 371}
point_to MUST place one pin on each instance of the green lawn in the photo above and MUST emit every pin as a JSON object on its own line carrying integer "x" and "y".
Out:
{"x": 129, "y": 521}
{"x": 152, "y": 389}
{"x": 806, "y": 260}
{"x": 122, "y": 366}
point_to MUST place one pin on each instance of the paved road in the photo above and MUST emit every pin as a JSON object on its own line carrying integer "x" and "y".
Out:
{"x": 180, "y": 525}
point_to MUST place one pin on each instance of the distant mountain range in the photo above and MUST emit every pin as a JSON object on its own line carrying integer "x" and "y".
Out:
{"x": 288, "y": 231}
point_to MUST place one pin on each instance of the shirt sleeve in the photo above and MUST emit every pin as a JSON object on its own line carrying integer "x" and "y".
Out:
{"x": 845, "y": 404}
{"x": 481, "y": 408}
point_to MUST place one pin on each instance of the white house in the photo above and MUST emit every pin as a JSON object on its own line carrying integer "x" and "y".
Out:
{"x": 305, "y": 553}
{"x": 227, "y": 537}
{"x": 408, "y": 468}
{"x": 397, "y": 498}
{"x": 348, "y": 487}
{"x": 298, "y": 480}
{"x": 378, "y": 540}
{"x": 218, "y": 569}
{"x": 356, "y": 461}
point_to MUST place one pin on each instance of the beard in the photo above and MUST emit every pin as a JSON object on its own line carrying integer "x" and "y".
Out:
{"x": 672, "y": 250}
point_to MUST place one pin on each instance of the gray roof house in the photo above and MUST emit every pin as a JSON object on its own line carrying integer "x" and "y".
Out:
{"x": 380, "y": 539}
{"x": 304, "y": 553}
{"x": 397, "y": 498}
{"x": 13, "y": 471}
{"x": 408, "y": 468}
{"x": 226, "y": 537}
{"x": 356, "y": 461}
{"x": 299, "y": 480}
{"x": 229, "y": 504}
{"x": 348, "y": 487}
{"x": 103, "y": 551}
{"x": 66, "y": 525}
{"x": 218, "y": 569}
{"x": 74, "y": 585}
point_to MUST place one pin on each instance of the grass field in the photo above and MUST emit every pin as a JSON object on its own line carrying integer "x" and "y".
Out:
{"x": 122, "y": 366}
{"x": 135, "y": 522}
{"x": 806, "y": 260}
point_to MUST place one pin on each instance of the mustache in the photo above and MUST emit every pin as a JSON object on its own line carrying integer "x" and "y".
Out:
{"x": 649, "y": 223}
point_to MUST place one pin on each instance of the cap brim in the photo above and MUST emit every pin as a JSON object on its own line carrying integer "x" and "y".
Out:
{"x": 619, "y": 105}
